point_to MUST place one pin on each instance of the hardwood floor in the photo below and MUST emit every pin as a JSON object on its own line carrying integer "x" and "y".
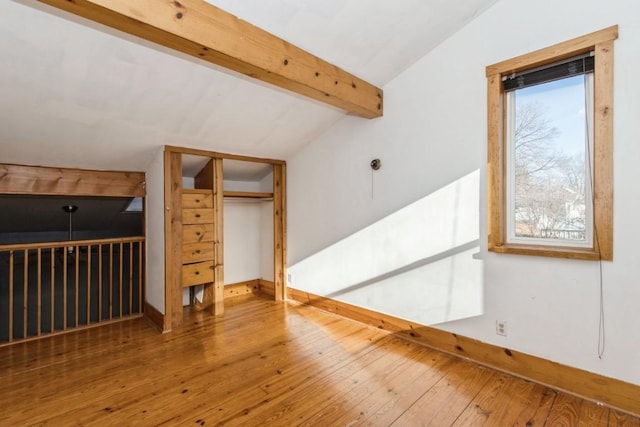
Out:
{"x": 268, "y": 363}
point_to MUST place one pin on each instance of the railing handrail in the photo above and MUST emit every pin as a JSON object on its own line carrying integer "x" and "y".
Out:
{"x": 67, "y": 243}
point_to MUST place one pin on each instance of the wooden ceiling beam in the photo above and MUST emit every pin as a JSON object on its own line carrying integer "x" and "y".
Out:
{"x": 199, "y": 29}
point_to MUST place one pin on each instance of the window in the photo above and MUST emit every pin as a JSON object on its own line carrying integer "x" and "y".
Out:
{"x": 550, "y": 125}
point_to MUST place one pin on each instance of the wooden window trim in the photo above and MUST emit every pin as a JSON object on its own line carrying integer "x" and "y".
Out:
{"x": 601, "y": 42}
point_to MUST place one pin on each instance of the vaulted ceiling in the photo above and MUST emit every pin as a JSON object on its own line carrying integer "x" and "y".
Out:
{"x": 77, "y": 94}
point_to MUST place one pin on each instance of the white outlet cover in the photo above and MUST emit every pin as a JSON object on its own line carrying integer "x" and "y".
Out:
{"x": 501, "y": 327}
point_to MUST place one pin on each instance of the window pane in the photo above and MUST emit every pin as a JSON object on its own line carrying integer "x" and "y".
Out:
{"x": 549, "y": 184}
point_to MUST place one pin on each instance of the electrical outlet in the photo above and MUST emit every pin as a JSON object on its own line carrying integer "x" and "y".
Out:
{"x": 501, "y": 327}
{"x": 289, "y": 278}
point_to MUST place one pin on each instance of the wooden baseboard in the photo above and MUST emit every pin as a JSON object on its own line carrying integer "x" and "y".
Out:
{"x": 154, "y": 316}
{"x": 267, "y": 287}
{"x": 233, "y": 290}
{"x": 241, "y": 288}
{"x": 609, "y": 391}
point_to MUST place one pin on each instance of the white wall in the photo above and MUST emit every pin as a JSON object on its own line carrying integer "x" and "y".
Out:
{"x": 266, "y": 184}
{"x": 155, "y": 231}
{"x": 241, "y": 241}
{"x": 230, "y": 185}
{"x": 248, "y": 232}
{"x": 432, "y": 136}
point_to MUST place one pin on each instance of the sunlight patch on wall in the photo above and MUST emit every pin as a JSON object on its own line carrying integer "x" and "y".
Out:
{"x": 415, "y": 263}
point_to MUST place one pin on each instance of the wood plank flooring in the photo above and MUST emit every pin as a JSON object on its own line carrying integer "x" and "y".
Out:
{"x": 268, "y": 363}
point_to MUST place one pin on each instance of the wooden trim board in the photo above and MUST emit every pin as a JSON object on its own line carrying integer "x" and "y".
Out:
{"x": 609, "y": 391}
{"x": 248, "y": 194}
{"x": 80, "y": 328}
{"x": 218, "y": 238}
{"x": 279, "y": 231}
{"x": 50, "y": 181}
{"x": 202, "y": 30}
{"x": 603, "y": 108}
{"x": 495, "y": 163}
{"x": 234, "y": 290}
{"x": 215, "y": 154}
{"x": 173, "y": 240}
{"x": 241, "y": 288}
{"x": 67, "y": 243}
{"x": 558, "y": 52}
{"x": 154, "y": 316}
{"x": 267, "y": 287}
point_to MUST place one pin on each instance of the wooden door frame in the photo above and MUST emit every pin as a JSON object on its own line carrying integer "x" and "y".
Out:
{"x": 173, "y": 229}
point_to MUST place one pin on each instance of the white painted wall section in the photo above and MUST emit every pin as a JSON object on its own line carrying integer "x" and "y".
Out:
{"x": 414, "y": 263}
{"x": 154, "y": 292}
{"x": 433, "y": 136}
{"x": 230, "y": 185}
{"x": 241, "y": 241}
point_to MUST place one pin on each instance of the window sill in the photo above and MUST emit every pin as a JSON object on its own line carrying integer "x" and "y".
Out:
{"x": 548, "y": 251}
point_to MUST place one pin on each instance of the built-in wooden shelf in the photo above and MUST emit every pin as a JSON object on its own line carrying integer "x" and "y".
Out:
{"x": 196, "y": 190}
{"x": 248, "y": 194}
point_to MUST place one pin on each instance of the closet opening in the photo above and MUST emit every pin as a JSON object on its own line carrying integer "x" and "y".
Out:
{"x": 224, "y": 230}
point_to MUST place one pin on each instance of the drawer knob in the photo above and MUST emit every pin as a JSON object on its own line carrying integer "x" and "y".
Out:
{"x": 197, "y": 215}
{"x": 197, "y": 272}
{"x": 198, "y": 233}
{"x": 198, "y": 251}
{"x": 197, "y": 200}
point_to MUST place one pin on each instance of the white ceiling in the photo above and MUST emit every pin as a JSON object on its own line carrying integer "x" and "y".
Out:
{"x": 77, "y": 94}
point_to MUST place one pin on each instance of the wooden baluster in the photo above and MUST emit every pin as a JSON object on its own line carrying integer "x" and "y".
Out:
{"x": 88, "y": 284}
{"x": 120, "y": 279}
{"x": 140, "y": 276}
{"x": 53, "y": 289}
{"x": 25, "y": 287}
{"x": 130, "y": 278}
{"x": 110, "y": 280}
{"x": 10, "y": 296}
{"x": 99, "y": 283}
{"x": 39, "y": 291}
{"x": 77, "y": 283}
{"x": 64, "y": 288}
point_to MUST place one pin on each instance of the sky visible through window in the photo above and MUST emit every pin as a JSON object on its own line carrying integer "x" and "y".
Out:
{"x": 564, "y": 104}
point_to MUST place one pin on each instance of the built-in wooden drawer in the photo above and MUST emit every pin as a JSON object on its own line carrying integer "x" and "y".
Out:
{"x": 197, "y": 216}
{"x": 194, "y": 252}
{"x": 197, "y": 233}
{"x": 197, "y": 199}
{"x": 197, "y": 274}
